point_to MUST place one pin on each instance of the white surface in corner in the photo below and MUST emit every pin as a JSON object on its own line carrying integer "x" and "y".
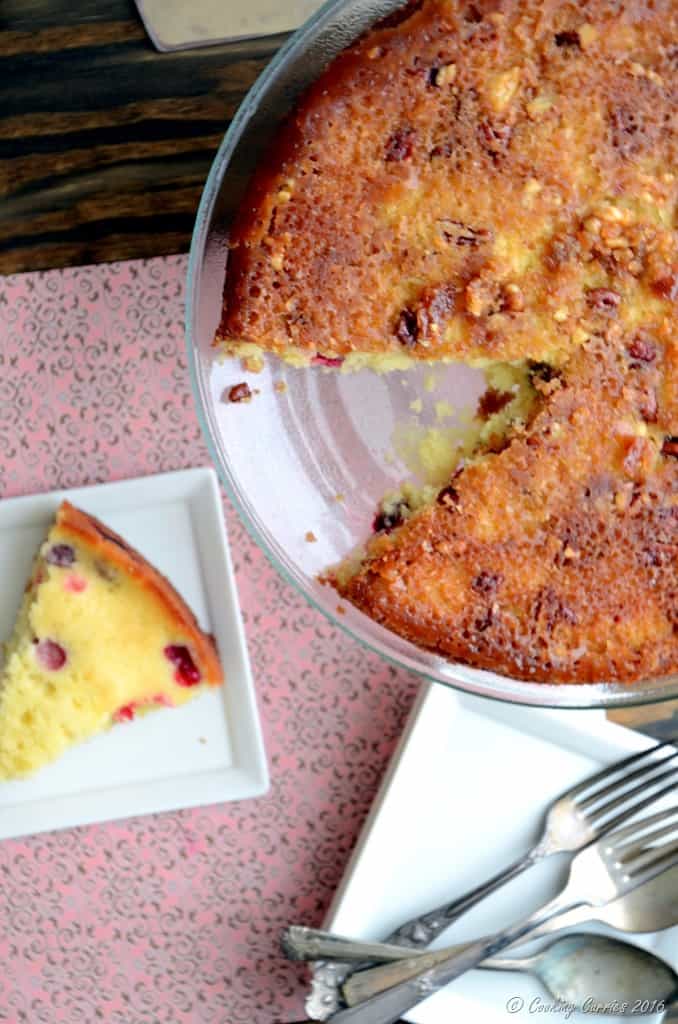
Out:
{"x": 464, "y": 796}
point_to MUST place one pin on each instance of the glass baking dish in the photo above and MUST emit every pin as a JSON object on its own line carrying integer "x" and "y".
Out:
{"x": 307, "y": 461}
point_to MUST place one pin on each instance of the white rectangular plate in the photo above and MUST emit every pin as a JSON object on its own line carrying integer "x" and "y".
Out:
{"x": 207, "y": 751}
{"x": 463, "y": 797}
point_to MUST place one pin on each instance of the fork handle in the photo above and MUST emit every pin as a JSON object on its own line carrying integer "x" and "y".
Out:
{"x": 388, "y": 1006}
{"x": 419, "y": 932}
{"x": 361, "y": 985}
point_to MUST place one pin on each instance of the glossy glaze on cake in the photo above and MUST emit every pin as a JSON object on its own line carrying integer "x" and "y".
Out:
{"x": 101, "y": 637}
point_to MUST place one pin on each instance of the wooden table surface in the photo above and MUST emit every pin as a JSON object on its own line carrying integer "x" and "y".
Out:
{"x": 105, "y": 143}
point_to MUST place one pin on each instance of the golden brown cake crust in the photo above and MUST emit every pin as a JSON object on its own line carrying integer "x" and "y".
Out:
{"x": 100, "y": 539}
{"x": 488, "y": 180}
{"x": 496, "y": 180}
{"x": 554, "y": 560}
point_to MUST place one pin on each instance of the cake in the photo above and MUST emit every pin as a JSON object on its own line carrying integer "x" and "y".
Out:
{"x": 469, "y": 181}
{"x": 553, "y": 560}
{"x": 101, "y": 637}
{"x": 495, "y": 183}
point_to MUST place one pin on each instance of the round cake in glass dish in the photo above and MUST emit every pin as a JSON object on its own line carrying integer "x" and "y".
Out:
{"x": 493, "y": 183}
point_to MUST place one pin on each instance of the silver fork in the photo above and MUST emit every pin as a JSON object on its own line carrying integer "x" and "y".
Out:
{"x": 606, "y": 870}
{"x": 581, "y": 815}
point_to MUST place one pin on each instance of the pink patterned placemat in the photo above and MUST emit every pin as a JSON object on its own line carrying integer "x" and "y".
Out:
{"x": 175, "y": 918}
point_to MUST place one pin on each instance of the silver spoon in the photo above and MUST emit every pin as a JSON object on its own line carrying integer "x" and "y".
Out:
{"x": 587, "y": 972}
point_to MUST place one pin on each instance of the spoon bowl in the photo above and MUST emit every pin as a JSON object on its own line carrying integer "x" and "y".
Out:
{"x": 588, "y": 971}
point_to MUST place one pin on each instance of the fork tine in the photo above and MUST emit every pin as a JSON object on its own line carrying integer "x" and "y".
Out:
{"x": 602, "y": 827}
{"x": 612, "y": 769}
{"x": 614, "y": 787}
{"x": 642, "y": 837}
{"x": 643, "y": 849}
{"x": 629, "y": 835}
{"x": 611, "y": 826}
{"x": 654, "y": 862}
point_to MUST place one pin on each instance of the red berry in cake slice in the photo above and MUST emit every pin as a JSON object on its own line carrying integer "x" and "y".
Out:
{"x": 322, "y": 360}
{"x": 50, "y": 655}
{"x": 76, "y": 584}
{"x": 103, "y": 639}
{"x": 125, "y": 713}
{"x": 128, "y": 712}
{"x": 62, "y": 555}
{"x": 187, "y": 672}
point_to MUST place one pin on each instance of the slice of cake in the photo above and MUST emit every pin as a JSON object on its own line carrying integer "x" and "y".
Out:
{"x": 554, "y": 560}
{"x": 101, "y": 637}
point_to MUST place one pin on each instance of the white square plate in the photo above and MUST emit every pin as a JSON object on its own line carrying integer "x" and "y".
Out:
{"x": 463, "y": 797}
{"x": 207, "y": 751}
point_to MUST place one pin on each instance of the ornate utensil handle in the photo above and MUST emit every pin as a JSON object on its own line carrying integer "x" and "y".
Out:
{"x": 417, "y": 933}
{"x": 388, "y": 1006}
{"x": 364, "y": 984}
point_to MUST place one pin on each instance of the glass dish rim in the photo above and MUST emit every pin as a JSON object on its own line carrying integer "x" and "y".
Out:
{"x": 508, "y": 690}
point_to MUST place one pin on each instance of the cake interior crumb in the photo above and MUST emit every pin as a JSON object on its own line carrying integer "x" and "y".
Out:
{"x": 431, "y": 453}
{"x": 444, "y": 411}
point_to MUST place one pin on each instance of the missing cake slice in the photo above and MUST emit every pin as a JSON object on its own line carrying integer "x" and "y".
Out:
{"x": 101, "y": 636}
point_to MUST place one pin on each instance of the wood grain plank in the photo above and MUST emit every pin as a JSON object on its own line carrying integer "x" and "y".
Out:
{"x": 33, "y": 15}
{"x": 33, "y": 173}
{"x": 63, "y": 37}
{"x": 53, "y": 125}
{"x": 105, "y": 144}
